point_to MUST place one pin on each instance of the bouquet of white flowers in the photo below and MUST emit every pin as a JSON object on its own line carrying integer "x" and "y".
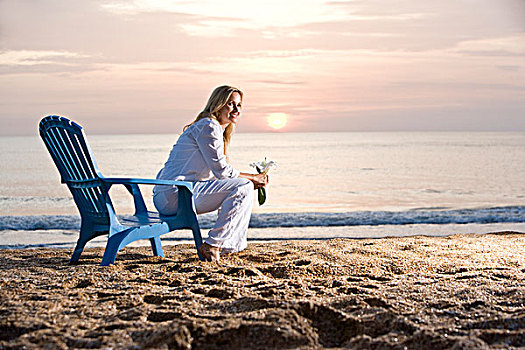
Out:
{"x": 262, "y": 168}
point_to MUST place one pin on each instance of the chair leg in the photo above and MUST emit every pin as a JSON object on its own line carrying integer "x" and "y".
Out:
{"x": 112, "y": 248}
{"x": 198, "y": 240}
{"x": 79, "y": 248}
{"x": 156, "y": 246}
{"x": 86, "y": 234}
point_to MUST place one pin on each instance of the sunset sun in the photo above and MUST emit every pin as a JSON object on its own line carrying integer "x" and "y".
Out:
{"x": 277, "y": 120}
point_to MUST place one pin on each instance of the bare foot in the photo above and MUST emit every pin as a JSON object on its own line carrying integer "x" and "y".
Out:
{"x": 210, "y": 253}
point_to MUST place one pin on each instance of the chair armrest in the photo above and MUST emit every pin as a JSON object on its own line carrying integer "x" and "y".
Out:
{"x": 132, "y": 181}
{"x": 132, "y": 185}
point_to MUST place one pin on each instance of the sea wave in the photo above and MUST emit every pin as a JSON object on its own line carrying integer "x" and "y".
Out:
{"x": 439, "y": 216}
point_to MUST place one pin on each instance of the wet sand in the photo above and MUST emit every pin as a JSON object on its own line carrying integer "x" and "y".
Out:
{"x": 460, "y": 292}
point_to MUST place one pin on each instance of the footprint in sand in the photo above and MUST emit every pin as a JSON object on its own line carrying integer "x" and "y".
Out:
{"x": 84, "y": 283}
{"x": 153, "y": 299}
{"x": 132, "y": 267}
{"x": 376, "y": 302}
{"x": 175, "y": 283}
{"x": 243, "y": 272}
{"x": 219, "y": 294}
{"x": 467, "y": 277}
{"x": 302, "y": 262}
{"x": 163, "y": 316}
{"x": 131, "y": 314}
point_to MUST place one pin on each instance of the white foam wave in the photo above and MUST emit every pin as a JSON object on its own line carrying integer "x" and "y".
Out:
{"x": 439, "y": 216}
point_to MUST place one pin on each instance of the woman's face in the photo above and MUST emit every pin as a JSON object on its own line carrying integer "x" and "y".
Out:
{"x": 231, "y": 111}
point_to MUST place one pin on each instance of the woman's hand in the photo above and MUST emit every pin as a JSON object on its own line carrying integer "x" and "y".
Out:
{"x": 259, "y": 180}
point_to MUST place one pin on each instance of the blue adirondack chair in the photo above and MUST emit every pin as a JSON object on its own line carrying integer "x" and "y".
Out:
{"x": 68, "y": 146}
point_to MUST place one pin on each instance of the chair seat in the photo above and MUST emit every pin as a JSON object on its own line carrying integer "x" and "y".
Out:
{"x": 148, "y": 218}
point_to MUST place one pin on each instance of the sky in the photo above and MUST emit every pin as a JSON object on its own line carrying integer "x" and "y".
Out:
{"x": 140, "y": 66}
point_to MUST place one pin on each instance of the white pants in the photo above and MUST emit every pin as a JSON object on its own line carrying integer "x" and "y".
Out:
{"x": 234, "y": 200}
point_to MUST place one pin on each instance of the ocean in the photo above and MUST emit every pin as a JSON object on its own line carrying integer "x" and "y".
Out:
{"x": 326, "y": 185}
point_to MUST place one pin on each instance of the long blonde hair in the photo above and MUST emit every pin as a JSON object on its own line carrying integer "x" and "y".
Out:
{"x": 218, "y": 99}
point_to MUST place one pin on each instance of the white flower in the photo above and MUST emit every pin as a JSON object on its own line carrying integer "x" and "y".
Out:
{"x": 263, "y": 166}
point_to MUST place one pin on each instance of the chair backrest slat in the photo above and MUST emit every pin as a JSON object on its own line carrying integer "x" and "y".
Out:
{"x": 72, "y": 155}
{"x": 58, "y": 157}
{"x": 64, "y": 156}
{"x": 101, "y": 202}
{"x": 84, "y": 156}
{"x": 79, "y": 158}
{"x": 91, "y": 198}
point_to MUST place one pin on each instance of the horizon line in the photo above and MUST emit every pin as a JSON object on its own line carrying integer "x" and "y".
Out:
{"x": 91, "y": 133}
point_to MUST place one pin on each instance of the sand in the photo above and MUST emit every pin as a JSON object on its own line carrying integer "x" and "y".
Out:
{"x": 459, "y": 292}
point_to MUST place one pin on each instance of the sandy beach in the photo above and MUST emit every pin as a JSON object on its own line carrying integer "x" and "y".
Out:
{"x": 460, "y": 292}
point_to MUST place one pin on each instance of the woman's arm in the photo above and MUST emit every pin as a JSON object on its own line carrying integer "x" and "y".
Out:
{"x": 210, "y": 143}
{"x": 259, "y": 180}
{"x": 208, "y": 136}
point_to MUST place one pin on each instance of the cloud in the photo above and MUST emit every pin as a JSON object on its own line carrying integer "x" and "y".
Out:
{"x": 85, "y": 28}
{"x": 502, "y": 46}
{"x": 32, "y": 57}
{"x": 481, "y": 117}
{"x": 279, "y": 82}
{"x": 461, "y": 85}
{"x": 14, "y": 62}
{"x": 417, "y": 25}
{"x": 256, "y": 14}
{"x": 508, "y": 67}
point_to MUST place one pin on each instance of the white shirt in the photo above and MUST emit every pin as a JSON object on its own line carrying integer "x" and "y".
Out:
{"x": 198, "y": 155}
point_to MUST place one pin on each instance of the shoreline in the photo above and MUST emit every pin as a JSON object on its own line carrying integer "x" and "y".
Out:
{"x": 466, "y": 291}
{"x": 66, "y": 239}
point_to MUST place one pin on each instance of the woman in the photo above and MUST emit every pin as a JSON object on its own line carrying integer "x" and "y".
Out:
{"x": 200, "y": 156}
